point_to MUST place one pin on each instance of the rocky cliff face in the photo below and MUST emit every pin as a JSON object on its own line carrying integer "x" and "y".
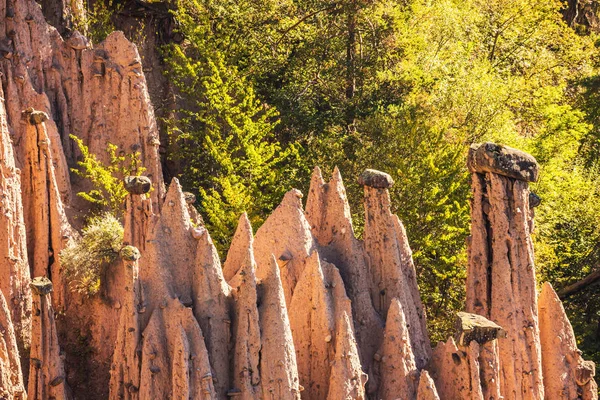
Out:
{"x": 301, "y": 309}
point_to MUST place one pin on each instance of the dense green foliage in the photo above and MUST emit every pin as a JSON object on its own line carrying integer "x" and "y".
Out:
{"x": 108, "y": 192}
{"x": 85, "y": 259}
{"x": 226, "y": 135}
{"x": 271, "y": 88}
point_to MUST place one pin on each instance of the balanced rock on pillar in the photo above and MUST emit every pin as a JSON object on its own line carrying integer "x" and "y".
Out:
{"x": 473, "y": 327}
{"x": 48, "y": 229}
{"x": 457, "y": 366}
{"x": 502, "y": 160}
{"x": 501, "y": 253}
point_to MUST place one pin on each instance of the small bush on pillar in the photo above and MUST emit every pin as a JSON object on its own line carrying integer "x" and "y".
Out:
{"x": 86, "y": 258}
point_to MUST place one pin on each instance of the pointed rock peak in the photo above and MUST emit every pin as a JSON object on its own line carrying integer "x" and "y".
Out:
{"x": 427, "y": 390}
{"x": 347, "y": 380}
{"x": 279, "y": 371}
{"x": 327, "y": 209}
{"x": 336, "y": 175}
{"x": 272, "y": 271}
{"x": 547, "y": 295}
{"x": 208, "y": 264}
{"x": 246, "y": 333}
{"x": 244, "y": 226}
{"x": 313, "y": 265}
{"x": 396, "y": 320}
{"x": 175, "y": 191}
{"x": 566, "y": 373}
{"x": 317, "y": 176}
{"x": 174, "y": 210}
{"x": 240, "y": 252}
{"x": 399, "y": 371}
{"x": 121, "y": 50}
{"x": 293, "y": 198}
{"x": 337, "y": 184}
{"x": 450, "y": 344}
{"x": 211, "y": 299}
{"x": 286, "y": 235}
{"x": 245, "y": 275}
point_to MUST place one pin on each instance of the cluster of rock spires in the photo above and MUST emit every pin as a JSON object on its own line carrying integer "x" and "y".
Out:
{"x": 301, "y": 309}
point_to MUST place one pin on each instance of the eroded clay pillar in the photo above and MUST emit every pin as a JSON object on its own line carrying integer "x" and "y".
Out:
{"x": 47, "y": 227}
{"x": 328, "y": 213}
{"x": 279, "y": 371}
{"x": 501, "y": 276}
{"x": 566, "y": 374}
{"x": 125, "y": 368}
{"x": 11, "y": 377}
{"x": 46, "y": 372}
{"x": 14, "y": 265}
{"x": 138, "y": 211}
{"x": 389, "y": 260}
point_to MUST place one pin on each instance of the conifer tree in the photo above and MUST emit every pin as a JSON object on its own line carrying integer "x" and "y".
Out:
{"x": 225, "y": 139}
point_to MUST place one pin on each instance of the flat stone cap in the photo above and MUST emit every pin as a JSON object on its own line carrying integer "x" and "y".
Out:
{"x": 375, "y": 179}
{"x": 473, "y": 327}
{"x": 137, "y": 184}
{"x": 77, "y": 41}
{"x": 190, "y": 198}
{"x": 502, "y": 160}
{"x": 34, "y": 117}
{"x": 130, "y": 253}
{"x": 41, "y": 285}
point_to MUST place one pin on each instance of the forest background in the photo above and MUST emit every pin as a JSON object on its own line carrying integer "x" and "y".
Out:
{"x": 252, "y": 94}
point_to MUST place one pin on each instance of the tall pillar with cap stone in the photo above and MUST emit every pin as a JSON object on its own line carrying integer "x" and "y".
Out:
{"x": 48, "y": 230}
{"x": 46, "y": 371}
{"x": 138, "y": 210}
{"x": 390, "y": 264}
{"x": 501, "y": 281}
